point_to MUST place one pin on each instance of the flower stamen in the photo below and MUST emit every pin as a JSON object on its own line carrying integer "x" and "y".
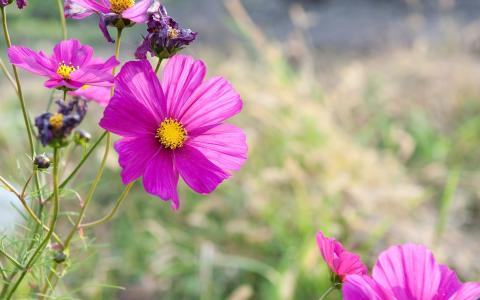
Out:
{"x": 56, "y": 121}
{"x": 65, "y": 70}
{"x": 119, "y": 6}
{"x": 171, "y": 134}
{"x": 173, "y": 33}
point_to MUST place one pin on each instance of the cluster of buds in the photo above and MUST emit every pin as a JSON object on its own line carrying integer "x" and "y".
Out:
{"x": 165, "y": 37}
{"x": 55, "y": 128}
{"x": 20, "y": 3}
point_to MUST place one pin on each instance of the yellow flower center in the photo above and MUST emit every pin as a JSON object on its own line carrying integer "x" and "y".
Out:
{"x": 171, "y": 134}
{"x": 65, "y": 70}
{"x": 56, "y": 121}
{"x": 118, "y": 6}
{"x": 173, "y": 33}
{"x": 84, "y": 87}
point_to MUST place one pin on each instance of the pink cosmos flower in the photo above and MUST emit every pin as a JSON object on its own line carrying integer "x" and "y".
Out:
{"x": 340, "y": 261}
{"x": 110, "y": 11}
{"x": 70, "y": 66}
{"x": 99, "y": 94}
{"x": 409, "y": 272}
{"x": 175, "y": 128}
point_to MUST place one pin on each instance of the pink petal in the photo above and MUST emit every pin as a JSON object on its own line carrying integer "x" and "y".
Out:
{"x": 93, "y": 5}
{"x": 181, "y": 76}
{"x": 65, "y": 51}
{"x": 37, "y": 63}
{"x": 449, "y": 284}
{"x": 138, "y": 79}
{"x": 126, "y": 116}
{"x": 362, "y": 287}
{"x": 161, "y": 178}
{"x": 469, "y": 291}
{"x": 350, "y": 263}
{"x": 134, "y": 154}
{"x": 99, "y": 74}
{"x": 224, "y": 145}
{"x": 197, "y": 171}
{"x": 409, "y": 271}
{"x": 327, "y": 246}
{"x": 138, "y": 12}
{"x": 99, "y": 94}
{"x": 213, "y": 102}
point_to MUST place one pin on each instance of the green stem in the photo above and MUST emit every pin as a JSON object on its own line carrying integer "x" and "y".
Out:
{"x": 327, "y": 292}
{"x": 62, "y": 18}
{"x": 7, "y": 74}
{"x": 159, "y": 63}
{"x": 53, "y": 222}
{"x": 11, "y": 259}
{"x": 114, "y": 210}
{"x": 91, "y": 191}
{"x": 26, "y": 119}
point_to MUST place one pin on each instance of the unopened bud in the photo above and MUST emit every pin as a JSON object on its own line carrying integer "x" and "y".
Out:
{"x": 42, "y": 162}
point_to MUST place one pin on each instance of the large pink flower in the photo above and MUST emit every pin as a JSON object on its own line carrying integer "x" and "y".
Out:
{"x": 110, "y": 12}
{"x": 340, "y": 261}
{"x": 175, "y": 128}
{"x": 70, "y": 66}
{"x": 409, "y": 272}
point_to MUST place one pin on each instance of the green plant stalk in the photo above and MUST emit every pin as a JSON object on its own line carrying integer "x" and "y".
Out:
{"x": 114, "y": 210}
{"x": 53, "y": 222}
{"x": 446, "y": 201}
{"x": 7, "y": 74}
{"x": 11, "y": 259}
{"x": 327, "y": 292}
{"x": 62, "y": 18}
{"x": 159, "y": 63}
{"x": 26, "y": 119}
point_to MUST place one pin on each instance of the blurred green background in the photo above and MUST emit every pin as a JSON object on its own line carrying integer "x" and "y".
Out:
{"x": 363, "y": 121}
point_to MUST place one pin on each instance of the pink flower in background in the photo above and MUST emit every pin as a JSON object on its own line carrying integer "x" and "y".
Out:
{"x": 340, "y": 261}
{"x": 409, "y": 272}
{"x": 111, "y": 12}
{"x": 99, "y": 94}
{"x": 175, "y": 128}
{"x": 71, "y": 65}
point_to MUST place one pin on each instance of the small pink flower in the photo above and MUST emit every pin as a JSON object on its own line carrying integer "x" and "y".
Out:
{"x": 70, "y": 66}
{"x": 340, "y": 261}
{"x": 110, "y": 12}
{"x": 175, "y": 128}
{"x": 99, "y": 94}
{"x": 409, "y": 272}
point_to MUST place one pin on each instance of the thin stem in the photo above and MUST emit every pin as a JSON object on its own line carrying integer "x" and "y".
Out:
{"x": 62, "y": 18}
{"x": 159, "y": 63}
{"x": 114, "y": 210}
{"x": 26, "y": 119}
{"x": 27, "y": 207}
{"x": 91, "y": 191}
{"x": 24, "y": 190}
{"x": 327, "y": 292}
{"x": 11, "y": 259}
{"x": 7, "y": 74}
{"x": 64, "y": 95}
{"x": 53, "y": 222}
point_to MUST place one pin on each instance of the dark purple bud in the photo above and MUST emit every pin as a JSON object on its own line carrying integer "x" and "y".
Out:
{"x": 165, "y": 37}
{"x": 42, "y": 162}
{"x": 22, "y": 3}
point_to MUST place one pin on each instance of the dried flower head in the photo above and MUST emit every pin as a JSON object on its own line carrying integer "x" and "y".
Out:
{"x": 54, "y": 128}
{"x": 165, "y": 37}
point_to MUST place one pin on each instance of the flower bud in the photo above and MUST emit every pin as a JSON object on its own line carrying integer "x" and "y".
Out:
{"x": 42, "y": 162}
{"x": 82, "y": 137}
{"x": 59, "y": 257}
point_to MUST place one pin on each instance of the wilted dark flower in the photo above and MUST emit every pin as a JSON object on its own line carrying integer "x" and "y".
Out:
{"x": 165, "y": 37}
{"x": 20, "y": 3}
{"x": 53, "y": 129}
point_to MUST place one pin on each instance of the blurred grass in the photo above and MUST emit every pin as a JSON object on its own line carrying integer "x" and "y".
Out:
{"x": 372, "y": 159}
